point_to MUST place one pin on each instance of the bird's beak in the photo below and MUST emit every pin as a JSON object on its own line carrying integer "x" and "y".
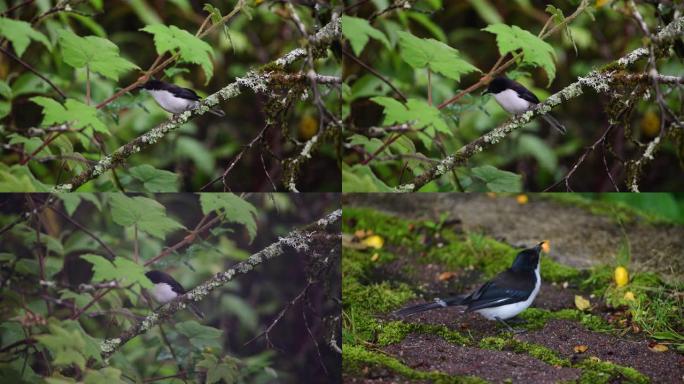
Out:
{"x": 539, "y": 246}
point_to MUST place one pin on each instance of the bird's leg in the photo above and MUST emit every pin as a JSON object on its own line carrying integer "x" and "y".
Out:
{"x": 517, "y": 320}
{"x": 513, "y": 330}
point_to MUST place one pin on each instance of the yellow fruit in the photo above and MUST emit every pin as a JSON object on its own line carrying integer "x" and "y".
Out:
{"x": 629, "y": 295}
{"x": 522, "y": 199}
{"x": 374, "y": 241}
{"x": 375, "y": 257}
{"x": 601, "y": 3}
{"x": 650, "y": 124}
{"x": 308, "y": 126}
{"x": 621, "y": 276}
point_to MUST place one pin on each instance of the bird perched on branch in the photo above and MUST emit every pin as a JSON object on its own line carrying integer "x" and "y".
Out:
{"x": 501, "y": 298}
{"x": 166, "y": 289}
{"x": 514, "y": 98}
{"x": 175, "y": 99}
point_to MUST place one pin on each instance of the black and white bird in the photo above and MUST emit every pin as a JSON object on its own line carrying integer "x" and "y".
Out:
{"x": 514, "y": 98}
{"x": 501, "y": 298}
{"x": 166, "y": 289}
{"x": 175, "y": 99}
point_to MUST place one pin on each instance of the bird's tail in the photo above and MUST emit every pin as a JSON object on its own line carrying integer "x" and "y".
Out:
{"x": 196, "y": 311}
{"x": 554, "y": 123}
{"x": 216, "y": 111}
{"x": 438, "y": 303}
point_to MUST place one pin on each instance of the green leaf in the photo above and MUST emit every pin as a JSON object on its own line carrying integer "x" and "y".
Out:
{"x": 201, "y": 336}
{"x": 359, "y": 31}
{"x": 497, "y": 180}
{"x": 190, "y": 48}
{"x": 5, "y": 90}
{"x": 78, "y": 115}
{"x": 98, "y": 54}
{"x": 187, "y": 147}
{"x": 70, "y": 201}
{"x": 369, "y": 144}
{"x": 20, "y": 34}
{"x": 122, "y": 269}
{"x": 65, "y": 346}
{"x": 534, "y": 146}
{"x": 417, "y": 112}
{"x": 18, "y": 178}
{"x": 107, "y": 375}
{"x": 12, "y": 331}
{"x": 486, "y": 11}
{"x": 360, "y": 178}
{"x": 226, "y": 368}
{"x": 31, "y": 144}
{"x": 433, "y": 54}
{"x": 233, "y": 208}
{"x": 536, "y": 51}
{"x": 155, "y": 180}
{"x": 5, "y": 108}
{"x": 147, "y": 214}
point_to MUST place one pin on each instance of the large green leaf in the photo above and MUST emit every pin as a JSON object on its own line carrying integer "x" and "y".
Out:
{"x": 20, "y": 34}
{"x": 77, "y": 114}
{"x": 155, "y": 180}
{"x": 534, "y": 146}
{"x": 497, "y": 180}
{"x": 121, "y": 270}
{"x": 65, "y": 346}
{"x": 358, "y": 31}
{"x": 190, "y": 48}
{"x": 536, "y": 51}
{"x": 360, "y": 178}
{"x": 98, "y": 54}
{"x": 416, "y": 111}
{"x": 433, "y": 54}
{"x": 201, "y": 336}
{"x": 147, "y": 214}
{"x": 233, "y": 208}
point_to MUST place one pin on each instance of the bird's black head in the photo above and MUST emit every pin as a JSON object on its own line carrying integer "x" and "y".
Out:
{"x": 499, "y": 84}
{"x": 154, "y": 85}
{"x": 159, "y": 277}
{"x": 527, "y": 259}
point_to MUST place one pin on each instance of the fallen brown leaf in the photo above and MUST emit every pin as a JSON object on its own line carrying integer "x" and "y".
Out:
{"x": 581, "y": 303}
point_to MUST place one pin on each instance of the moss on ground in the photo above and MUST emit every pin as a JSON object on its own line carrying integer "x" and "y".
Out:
{"x": 367, "y": 300}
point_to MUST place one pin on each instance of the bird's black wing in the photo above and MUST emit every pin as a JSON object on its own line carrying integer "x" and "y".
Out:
{"x": 508, "y": 287}
{"x": 185, "y": 93}
{"x": 524, "y": 93}
{"x": 175, "y": 286}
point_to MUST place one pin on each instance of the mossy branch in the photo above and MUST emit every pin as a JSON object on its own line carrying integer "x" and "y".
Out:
{"x": 257, "y": 80}
{"x": 298, "y": 240}
{"x": 599, "y": 80}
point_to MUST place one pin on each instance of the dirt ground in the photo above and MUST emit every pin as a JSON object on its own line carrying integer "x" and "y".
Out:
{"x": 578, "y": 238}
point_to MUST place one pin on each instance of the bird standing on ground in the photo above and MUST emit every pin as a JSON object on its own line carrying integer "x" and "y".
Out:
{"x": 505, "y": 296}
{"x": 175, "y": 99}
{"x": 166, "y": 289}
{"x": 514, "y": 98}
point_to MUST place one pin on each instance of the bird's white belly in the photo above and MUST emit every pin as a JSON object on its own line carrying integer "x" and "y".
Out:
{"x": 163, "y": 293}
{"x": 171, "y": 103}
{"x": 511, "y": 102}
{"x": 511, "y": 310}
